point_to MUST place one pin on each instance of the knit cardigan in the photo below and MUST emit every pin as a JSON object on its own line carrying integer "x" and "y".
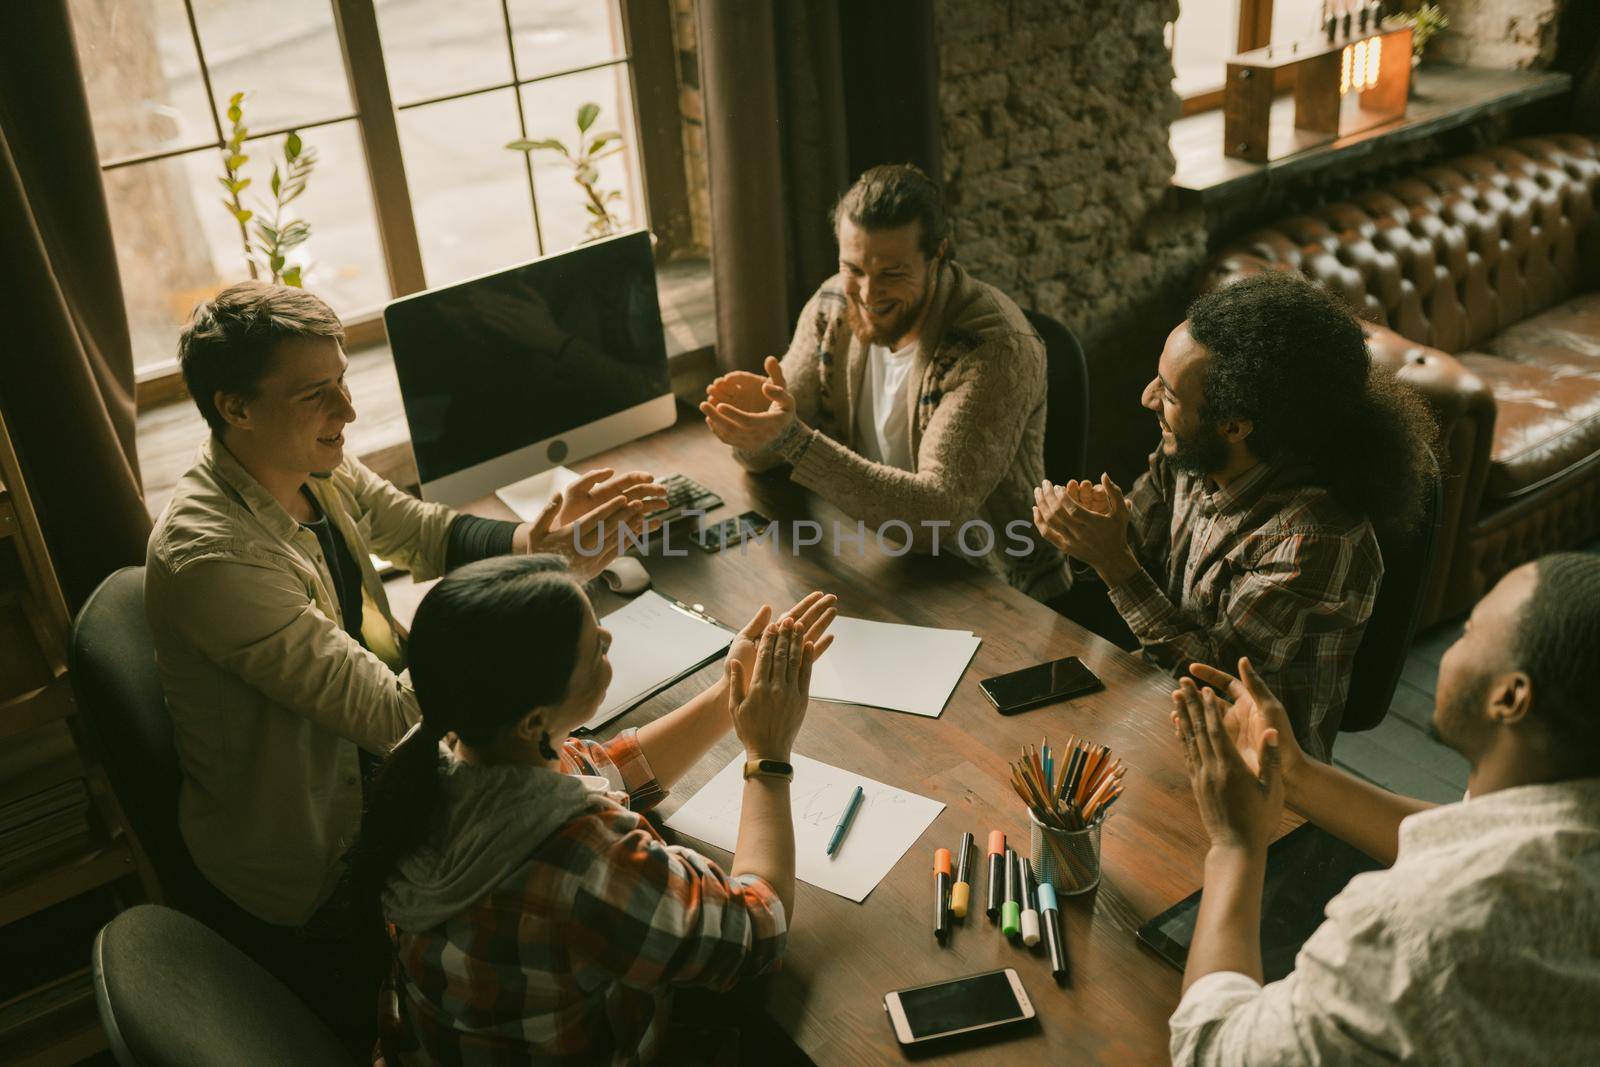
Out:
{"x": 977, "y": 429}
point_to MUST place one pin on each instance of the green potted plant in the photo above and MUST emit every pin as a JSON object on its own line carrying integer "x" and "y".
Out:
{"x": 1426, "y": 23}
{"x": 591, "y": 149}
{"x": 275, "y": 238}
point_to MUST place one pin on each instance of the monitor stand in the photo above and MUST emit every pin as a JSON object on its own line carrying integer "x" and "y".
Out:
{"x": 528, "y": 497}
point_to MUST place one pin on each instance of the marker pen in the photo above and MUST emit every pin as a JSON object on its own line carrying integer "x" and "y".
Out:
{"x": 963, "y": 888}
{"x": 1030, "y": 904}
{"x": 997, "y": 855}
{"x": 1052, "y": 930}
{"x": 941, "y": 891}
{"x": 1010, "y": 913}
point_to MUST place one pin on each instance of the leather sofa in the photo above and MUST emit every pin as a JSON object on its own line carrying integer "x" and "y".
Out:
{"x": 1479, "y": 281}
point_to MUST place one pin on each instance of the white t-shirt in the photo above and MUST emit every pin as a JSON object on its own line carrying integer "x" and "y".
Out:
{"x": 883, "y": 421}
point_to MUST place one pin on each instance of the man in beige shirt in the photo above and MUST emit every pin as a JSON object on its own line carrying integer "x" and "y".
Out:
{"x": 278, "y": 653}
{"x": 912, "y": 396}
{"x": 1481, "y": 942}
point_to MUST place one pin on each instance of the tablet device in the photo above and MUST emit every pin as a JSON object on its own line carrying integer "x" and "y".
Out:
{"x": 1306, "y": 868}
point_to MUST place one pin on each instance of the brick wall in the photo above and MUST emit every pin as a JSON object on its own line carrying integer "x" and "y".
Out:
{"x": 1056, "y": 165}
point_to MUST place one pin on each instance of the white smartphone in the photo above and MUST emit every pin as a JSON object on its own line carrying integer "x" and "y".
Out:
{"x": 942, "y": 1009}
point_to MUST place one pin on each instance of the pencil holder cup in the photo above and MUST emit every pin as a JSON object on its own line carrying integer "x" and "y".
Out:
{"x": 1068, "y": 859}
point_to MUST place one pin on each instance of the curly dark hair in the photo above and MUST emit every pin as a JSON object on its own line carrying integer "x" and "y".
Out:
{"x": 1291, "y": 358}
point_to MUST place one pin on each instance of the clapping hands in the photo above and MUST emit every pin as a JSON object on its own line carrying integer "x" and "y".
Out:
{"x": 1088, "y": 521}
{"x": 750, "y": 411}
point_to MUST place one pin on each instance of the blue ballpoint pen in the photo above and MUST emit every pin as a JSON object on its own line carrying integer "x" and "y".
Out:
{"x": 844, "y": 820}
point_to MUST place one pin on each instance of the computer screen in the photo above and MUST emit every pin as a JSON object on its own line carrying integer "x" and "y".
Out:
{"x": 499, "y": 365}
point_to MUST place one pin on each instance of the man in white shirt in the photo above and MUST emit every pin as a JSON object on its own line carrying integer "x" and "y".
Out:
{"x": 1481, "y": 942}
{"x": 912, "y": 396}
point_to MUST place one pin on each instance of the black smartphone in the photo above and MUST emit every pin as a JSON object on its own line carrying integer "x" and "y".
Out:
{"x": 731, "y": 532}
{"x": 1034, "y": 687}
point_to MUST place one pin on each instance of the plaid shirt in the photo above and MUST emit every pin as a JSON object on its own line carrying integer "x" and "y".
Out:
{"x": 1272, "y": 567}
{"x": 571, "y": 958}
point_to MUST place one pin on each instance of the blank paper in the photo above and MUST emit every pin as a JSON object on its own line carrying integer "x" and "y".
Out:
{"x": 889, "y": 665}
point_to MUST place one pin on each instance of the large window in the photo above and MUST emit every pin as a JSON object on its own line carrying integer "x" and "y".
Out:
{"x": 1208, "y": 32}
{"x": 409, "y": 105}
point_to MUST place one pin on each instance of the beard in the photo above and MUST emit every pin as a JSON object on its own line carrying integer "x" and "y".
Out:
{"x": 1201, "y": 452}
{"x": 901, "y": 325}
{"x": 1460, "y": 707}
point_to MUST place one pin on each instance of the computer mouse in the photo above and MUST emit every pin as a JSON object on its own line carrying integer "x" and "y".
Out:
{"x": 626, "y": 575}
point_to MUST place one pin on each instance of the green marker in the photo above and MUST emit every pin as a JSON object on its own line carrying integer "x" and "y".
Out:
{"x": 1011, "y": 911}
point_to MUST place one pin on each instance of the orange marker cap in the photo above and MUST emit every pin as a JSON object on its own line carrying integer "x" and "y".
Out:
{"x": 997, "y": 843}
{"x": 941, "y": 861}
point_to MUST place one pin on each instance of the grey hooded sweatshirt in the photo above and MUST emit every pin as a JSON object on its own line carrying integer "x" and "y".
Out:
{"x": 492, "y": 819}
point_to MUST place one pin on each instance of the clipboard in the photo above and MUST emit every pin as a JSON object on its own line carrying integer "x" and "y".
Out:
{"x": 657, "y": 641}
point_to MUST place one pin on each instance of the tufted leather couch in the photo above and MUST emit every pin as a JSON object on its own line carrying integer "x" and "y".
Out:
{"x": 1480, "y": 282}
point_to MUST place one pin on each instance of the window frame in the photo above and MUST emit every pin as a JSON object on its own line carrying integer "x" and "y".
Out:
{"x": 1254, "y": 31}
{"x": 375, "y": 114}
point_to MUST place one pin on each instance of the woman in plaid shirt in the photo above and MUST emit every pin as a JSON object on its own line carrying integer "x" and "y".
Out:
{"x": 535, "y": 915}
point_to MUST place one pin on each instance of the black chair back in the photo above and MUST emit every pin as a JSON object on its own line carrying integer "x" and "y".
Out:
{"x": 1066, "y": 426}
{"x": 118, "y": 688}
{"x": 1375, "y": 674}
{"x": 173, "y": 993}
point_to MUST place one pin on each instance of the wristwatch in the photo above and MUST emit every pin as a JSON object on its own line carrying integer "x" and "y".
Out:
{"x": 768, "y": 768}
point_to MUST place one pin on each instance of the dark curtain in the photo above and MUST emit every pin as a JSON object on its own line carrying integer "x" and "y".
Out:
{"x": 800, "y": 97}
{"x": 66, "y": 369}
{"x": 1578, "y": 53}
{"x": 891, "y": 84}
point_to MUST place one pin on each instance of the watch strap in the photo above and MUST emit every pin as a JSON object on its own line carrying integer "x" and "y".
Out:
{"x": 768, "y": 768}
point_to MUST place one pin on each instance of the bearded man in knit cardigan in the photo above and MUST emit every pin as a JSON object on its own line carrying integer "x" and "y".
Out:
{"x": 912, "y": 396}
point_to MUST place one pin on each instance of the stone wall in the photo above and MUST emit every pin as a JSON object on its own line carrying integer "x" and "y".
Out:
{"x": 1056, "y": 167}
{"x": 1506, "y": 34}
{"x": 1056, "y": 116}
{"x": 692, "y": 107}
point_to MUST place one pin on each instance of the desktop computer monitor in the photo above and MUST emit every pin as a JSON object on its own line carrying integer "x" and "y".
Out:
{"x": 513, "y": 373}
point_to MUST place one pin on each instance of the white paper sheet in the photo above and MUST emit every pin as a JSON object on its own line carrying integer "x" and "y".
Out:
{"x": 889, "y": 665}
{"x": 653, "y": 643}
{"x": 889, "y": 821}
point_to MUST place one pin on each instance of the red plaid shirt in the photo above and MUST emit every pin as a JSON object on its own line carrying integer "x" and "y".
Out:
{"x": 1272, "y": 567}
{"x": 571, "y": 958}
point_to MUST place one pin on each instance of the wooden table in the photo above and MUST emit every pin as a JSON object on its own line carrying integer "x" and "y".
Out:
{"x": 842, "y": 956}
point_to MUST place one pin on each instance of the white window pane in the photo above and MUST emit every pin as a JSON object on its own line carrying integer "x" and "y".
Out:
{"x": 283, "y": 53}
{"x": 551, "y": 108}
{"x": 142, "y": 76}
{"x": 469, "y": 193}
{"x": 343, "y": 260}
{"x": 1204, "y": 37}
{"x": 1296, "y": 20}
{"x": 165, "y": 230}
{"x": 177, "y": 245}
{"x": 428, "y": 55}
{"x": 554, "y": 35}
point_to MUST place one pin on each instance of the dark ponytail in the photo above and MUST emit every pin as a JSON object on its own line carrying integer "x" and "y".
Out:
{"x": 491, "y": 642}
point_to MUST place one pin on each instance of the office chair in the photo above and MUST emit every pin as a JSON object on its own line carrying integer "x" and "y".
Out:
{"x": 172, "y": 993}
{"x": 113, "y": 669}
{"x": 1375, "y": 674}
{"x": 1066, "y": 427}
